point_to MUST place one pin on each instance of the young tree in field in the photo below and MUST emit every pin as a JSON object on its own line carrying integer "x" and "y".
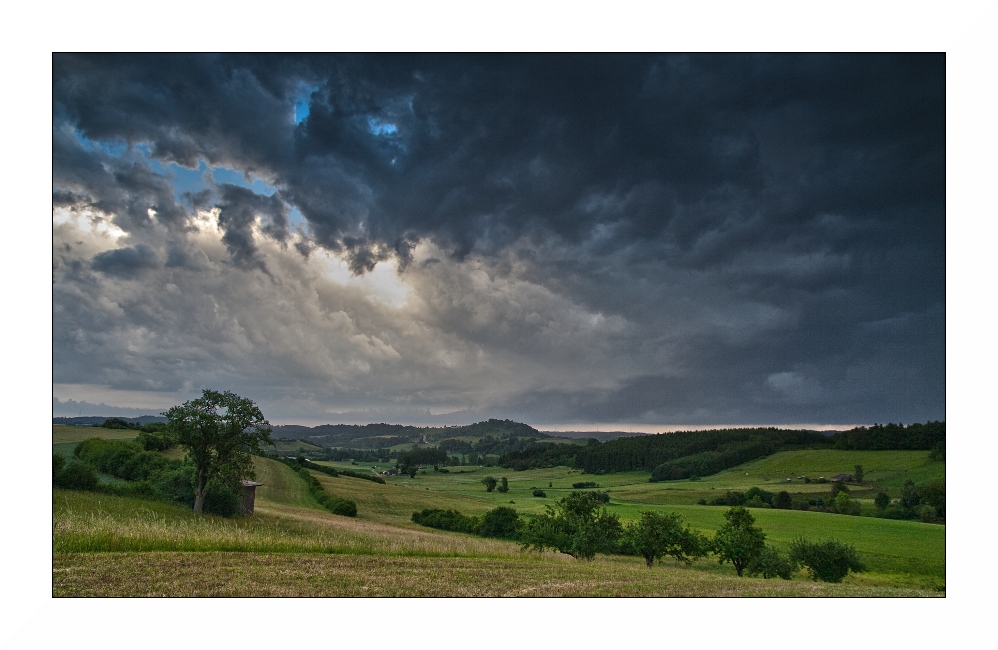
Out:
{"x": 579, "y": 526}
{"x": 503, "y": 485}
{"x": 658, "y": 534}
{"x": 909, "y": 495}
{"x": 882, "y": 500}
{"x": 219, "y": 431}
{"x": 738, "y": 541}
{"x": 490, "y": 483}
{"x": 857, "y": 473}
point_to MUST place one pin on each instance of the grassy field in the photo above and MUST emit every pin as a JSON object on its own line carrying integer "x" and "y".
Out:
{"x": 115, "y": 546}
{"x": 63, "y": 434}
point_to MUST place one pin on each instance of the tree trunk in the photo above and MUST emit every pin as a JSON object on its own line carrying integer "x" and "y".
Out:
{"x": 649, "y": 561}
{"x": 199, "y": 491}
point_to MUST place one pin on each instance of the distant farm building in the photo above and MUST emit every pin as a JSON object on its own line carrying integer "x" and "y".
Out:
{"x": 844, "y": 478}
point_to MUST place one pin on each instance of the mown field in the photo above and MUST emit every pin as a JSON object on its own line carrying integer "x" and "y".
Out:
{"x": 105, "y": 545}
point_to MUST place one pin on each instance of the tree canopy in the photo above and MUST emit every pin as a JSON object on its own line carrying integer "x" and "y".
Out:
{"x": 219, "y": 431}
{"x": 738, "y": 541}
{"x": 658, "y": 534}
{"x": 579, "y": 525}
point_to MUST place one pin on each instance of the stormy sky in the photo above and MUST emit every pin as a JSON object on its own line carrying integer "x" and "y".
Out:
{"x": 637, "y": 240}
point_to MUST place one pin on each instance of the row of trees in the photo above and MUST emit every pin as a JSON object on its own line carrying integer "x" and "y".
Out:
{"x": 580, "y": 525}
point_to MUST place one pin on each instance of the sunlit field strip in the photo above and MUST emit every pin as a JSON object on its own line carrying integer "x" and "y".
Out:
{"x": 266, "y": 574}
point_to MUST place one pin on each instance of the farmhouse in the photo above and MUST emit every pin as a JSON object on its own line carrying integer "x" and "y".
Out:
{"x": 844, "y": 478}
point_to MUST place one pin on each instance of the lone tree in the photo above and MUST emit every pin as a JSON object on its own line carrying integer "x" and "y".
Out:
{"x": 658, "y": 534}
{"x": 738, "y": 541}
{"x": 579, "y": 526}
{"x": 219, "y": 431}
{"x": 490, "y": 483}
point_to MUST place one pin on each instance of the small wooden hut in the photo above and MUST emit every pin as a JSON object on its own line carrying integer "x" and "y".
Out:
{"x": 248, "y": 497}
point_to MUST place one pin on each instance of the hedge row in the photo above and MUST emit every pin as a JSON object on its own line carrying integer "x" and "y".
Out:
{"x": 335, "y": 505}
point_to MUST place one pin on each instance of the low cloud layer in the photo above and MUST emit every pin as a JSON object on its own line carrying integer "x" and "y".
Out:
{"x": 676, "y": 239}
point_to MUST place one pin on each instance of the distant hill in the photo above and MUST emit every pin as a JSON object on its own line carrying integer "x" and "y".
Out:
{"x": 88, "y": 420}
{"x": 379, "y": 436}
{"x": 602, "y": 436}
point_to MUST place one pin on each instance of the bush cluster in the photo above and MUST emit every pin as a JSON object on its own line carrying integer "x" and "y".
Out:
{"x": 145, "y": 474}
{"x": 829, "y": 561}
{"x": 502, "y": 522}
{"x": 75, "y": 476}
{"x": 123, "y": 459}
{"x": 446, "y": 520}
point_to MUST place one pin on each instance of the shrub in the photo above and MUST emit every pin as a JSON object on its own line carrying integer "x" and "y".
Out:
{"x": 58, "y": 462}
{"x": 490, "y": 483}
{"x": 503, "y": 485}
{"x": 838, "y": 486}
{"x": 754, "y": 493}
{"x": 845, "y": 506}
{"x": 770, "y": 563}
{"x": 584, "y": 484}
{"x": 539, "y": 493}
{"x": 123, "y": 459}
{"x": 882, "y": 500}
{"x": 729, "y": 499}
{"x": 828, "y": 561}
{"x": 156, "y": 440}
{"x": 446, "y": 520}
{"x": 501, "y": 522}
{"x": 77, "y": 476}
{"x": 176, "y": 485}
{"x": 222, "y": 498}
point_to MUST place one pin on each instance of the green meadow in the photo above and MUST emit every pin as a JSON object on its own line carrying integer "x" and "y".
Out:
{"x": 108, "y": 545}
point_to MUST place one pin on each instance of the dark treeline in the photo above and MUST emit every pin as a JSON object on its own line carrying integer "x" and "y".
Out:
{"x": 691, "y": 453}
{"x": 366, "y": 436}
{"x": 931, "y": 435}
{"x": 533, "y": 455}
{"x": 359, "y": 455}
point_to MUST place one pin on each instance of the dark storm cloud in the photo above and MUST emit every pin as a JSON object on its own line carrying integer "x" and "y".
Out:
{"x": 728, "y": 237}
{"x": 127, "y": 261}
{"x": 239, "y": 209}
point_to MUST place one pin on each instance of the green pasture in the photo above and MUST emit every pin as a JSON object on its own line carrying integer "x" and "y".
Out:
{"x": 902, "y": 552}
{"x": 292, "y": 447}
{"x": 105, "y": 545}
{"x": 117, "y": 546}
{"x": 62, "y": 434}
